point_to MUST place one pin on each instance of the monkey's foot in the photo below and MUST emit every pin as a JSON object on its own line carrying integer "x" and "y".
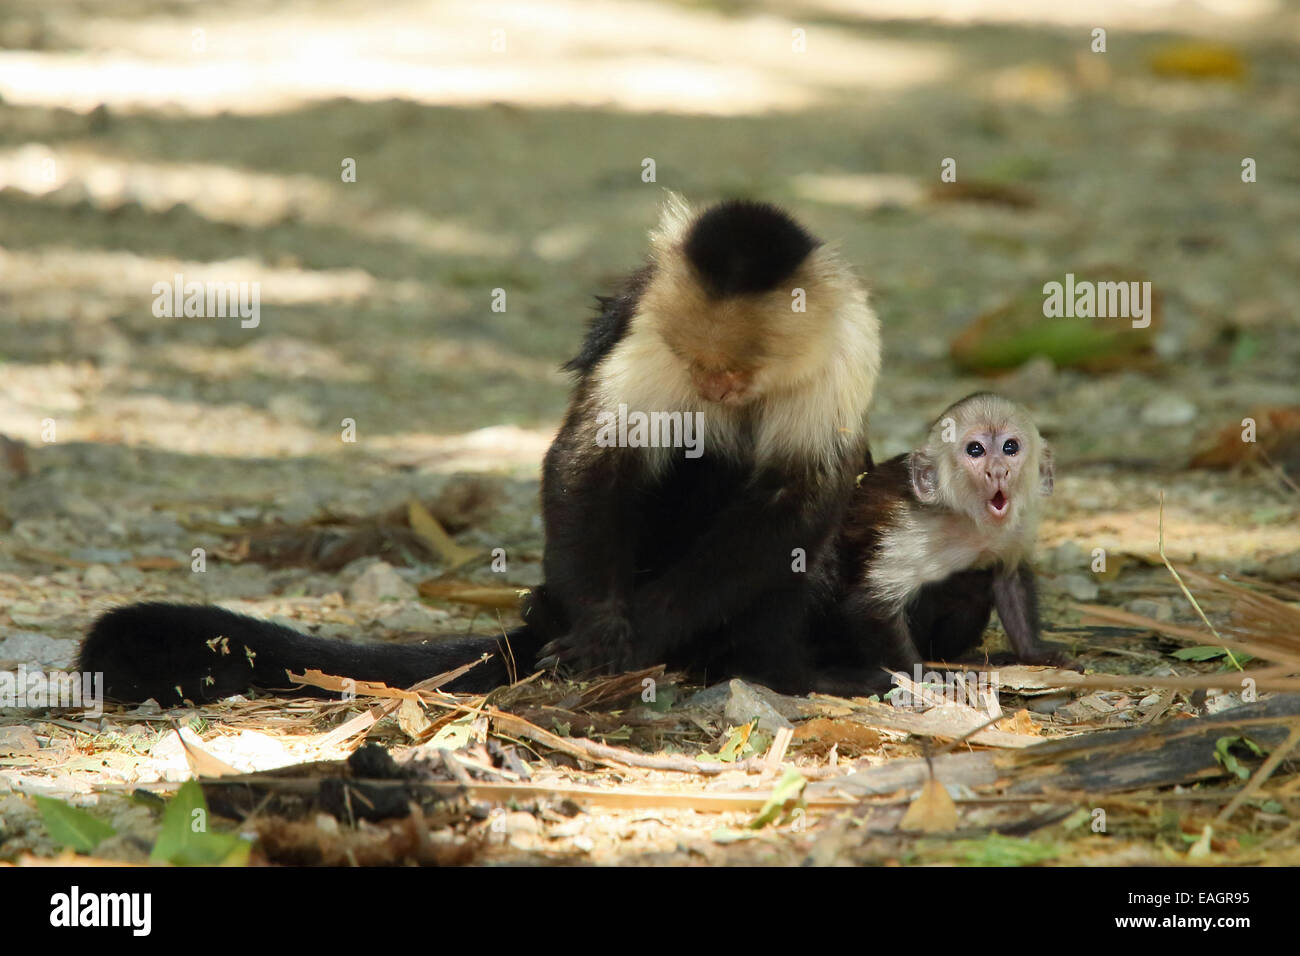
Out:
{"x": 1045, "y": 655}
{"x": 600, "y": 642}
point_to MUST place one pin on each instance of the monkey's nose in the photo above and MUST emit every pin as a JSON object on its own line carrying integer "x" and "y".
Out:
{"x": 721, "y": 386}
{"x": 997, "y": 474}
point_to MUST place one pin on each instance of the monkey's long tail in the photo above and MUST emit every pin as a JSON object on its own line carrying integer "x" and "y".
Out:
{"x": 175, "y": 652}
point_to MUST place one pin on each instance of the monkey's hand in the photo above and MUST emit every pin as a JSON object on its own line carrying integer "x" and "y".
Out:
{"x": 600, "y": 641}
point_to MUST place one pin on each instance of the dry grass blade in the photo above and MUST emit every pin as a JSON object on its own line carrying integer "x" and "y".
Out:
{"x": 619, "y": 686}
{"x": 1263, "y": 679}
{"x": 356, "y": 725}
{"x": 202, "y": 763}
{"x": 431, "y": 684}
{"x": 464, "y": 592}
{"x": 1099, "y": 613}
{"x": 1265, "y": 620}
{"x": 1232, "y": 658}
{"x": 428, "y": 528}
{"x": 348, "y": 685}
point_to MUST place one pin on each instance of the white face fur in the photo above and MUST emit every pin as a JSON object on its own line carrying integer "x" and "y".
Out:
{"x": 984, "y": 459}
{"x": 809, "y": 374}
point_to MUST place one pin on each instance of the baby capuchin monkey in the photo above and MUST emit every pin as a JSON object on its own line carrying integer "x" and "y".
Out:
{"x": 936, "y": 539}
{"x": 690, "y": 500}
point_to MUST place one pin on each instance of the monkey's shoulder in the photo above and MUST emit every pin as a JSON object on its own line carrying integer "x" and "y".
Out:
{"x": 610, "y": 324}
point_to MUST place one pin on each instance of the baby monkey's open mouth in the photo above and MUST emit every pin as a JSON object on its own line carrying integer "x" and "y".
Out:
{"x": 998, "y": 504}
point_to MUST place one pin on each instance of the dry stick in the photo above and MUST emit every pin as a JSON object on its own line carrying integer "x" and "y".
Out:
{"x": 623, "y": 797}
{"x": 1275, "y": 678}
{"x": 780, "y": 744}
{"x": 1188, "y": 594}
{"x": 600, "y": 753}
{"x": 1261, "y": 775}
{"x": 1279, "y": 472}
{"x": 1114, "y": 615}
{"x": 618, "y": 757}
{"x": 1265, "y": 678}
{"x": 1261, "y": 604}
{"x": 963, "y": 738}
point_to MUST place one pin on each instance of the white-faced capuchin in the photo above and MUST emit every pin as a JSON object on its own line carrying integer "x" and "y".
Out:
{"x": 936, "y": 539}
{"x": 691, "y": 499}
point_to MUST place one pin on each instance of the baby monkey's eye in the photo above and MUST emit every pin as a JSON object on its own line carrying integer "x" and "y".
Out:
{"x": 1010, "y": 446}
{"x": 975, "y": 450}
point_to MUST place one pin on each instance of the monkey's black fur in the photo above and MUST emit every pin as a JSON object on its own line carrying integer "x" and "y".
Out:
{"x": 741, "y": 247}
{"x": 947, "y": 618}
{"x": 688, "y": 564}
{"x": 150, "y": 650}
{"x": 610, "y": 323}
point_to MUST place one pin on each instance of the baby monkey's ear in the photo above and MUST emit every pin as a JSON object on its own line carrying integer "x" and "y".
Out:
{"x": 925, "y": 477}
{"x": 1046, "y": 472}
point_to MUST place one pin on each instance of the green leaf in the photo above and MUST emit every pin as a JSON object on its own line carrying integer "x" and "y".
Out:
{"x": 1010, "y": 334}
{"x": 71, "y": 827}
{"x": 1202, "y": 652}
{"x": 999, "y": 850}
{"x": 187, "y": 839}
{"x": 664, "y": 699}
{"x": 1077, "y": 819}
{"x": 789, "y": 789}
{"x": 1241, "y": 659}
{"x": 736, "y": 742}
{"x": 1244, "y": 349}
{"x": 1223, "y": 754}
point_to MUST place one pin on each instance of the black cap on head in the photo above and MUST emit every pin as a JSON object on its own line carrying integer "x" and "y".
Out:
{"x": 740, "y": 247}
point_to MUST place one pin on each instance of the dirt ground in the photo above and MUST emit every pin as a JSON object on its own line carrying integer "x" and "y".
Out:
{"x": 502, "y": 147}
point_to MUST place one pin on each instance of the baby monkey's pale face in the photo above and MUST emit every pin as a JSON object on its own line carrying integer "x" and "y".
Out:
{"x": 992, "y": 459}
{"x": 984, "y": 459}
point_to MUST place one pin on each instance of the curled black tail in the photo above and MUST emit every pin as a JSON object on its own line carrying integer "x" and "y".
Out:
{"x": 175, "y": 652}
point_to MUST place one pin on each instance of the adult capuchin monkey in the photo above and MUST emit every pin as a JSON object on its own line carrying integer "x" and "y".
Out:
{"x": 936, "y": 539}
{"x": 690, "y": 500}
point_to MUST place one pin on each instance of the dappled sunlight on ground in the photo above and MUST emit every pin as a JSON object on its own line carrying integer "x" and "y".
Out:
{"x": 627, "y": 55}
{"x": 508, "y": 160}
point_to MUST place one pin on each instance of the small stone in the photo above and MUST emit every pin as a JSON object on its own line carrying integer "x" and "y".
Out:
{"x": 414, "y": 617}
{"x": 1033, "y": 379}
{"x": 380, "y": 582}
{"x": 98, "y": 577}
{"x": 25, "y": 647}
{"x": 101, "y": 555}
{"x": 1217, "y": 701}
{"x": 17, "y": 740}
{"x": 1081, "y": 587}
{"x": 1047, "y": 703}
{"x": 1160, "y": 610}
{"x": 744, "y": 704}
{"x": 1067, "y": 556}
{"x": 520, "y": 821}
{"x": 156, "y": 527}
{"x": 1168, "y": 411}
